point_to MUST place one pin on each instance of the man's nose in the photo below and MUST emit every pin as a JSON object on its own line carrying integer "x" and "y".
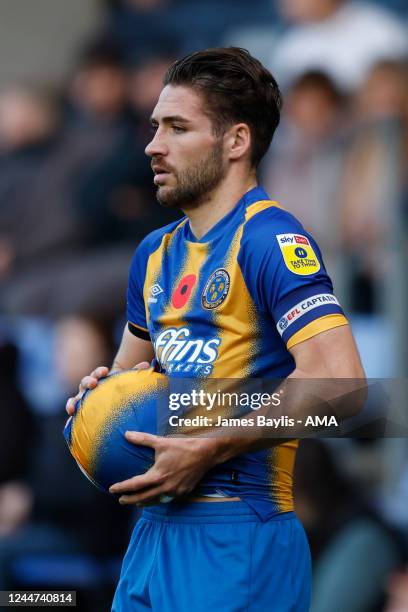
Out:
{"x": 156, "y": 146}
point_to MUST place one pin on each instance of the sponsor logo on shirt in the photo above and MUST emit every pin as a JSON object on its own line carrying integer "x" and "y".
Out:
{"x": 302, "y": 308}
{"x": 177, "y": 351}
{"x": 298, "y": 254}
{"x": 154, "y": 291}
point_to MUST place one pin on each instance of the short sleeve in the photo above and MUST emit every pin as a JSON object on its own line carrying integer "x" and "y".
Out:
{"x": 136, "y": 312}
{"x": 285, "y": 274}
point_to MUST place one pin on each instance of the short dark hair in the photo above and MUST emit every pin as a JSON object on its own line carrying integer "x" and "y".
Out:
{"x": 237, "y": 88}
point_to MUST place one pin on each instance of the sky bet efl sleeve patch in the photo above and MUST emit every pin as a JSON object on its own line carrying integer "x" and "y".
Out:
{"x": 298, "y": 254}
{"x": 285, "y": 274}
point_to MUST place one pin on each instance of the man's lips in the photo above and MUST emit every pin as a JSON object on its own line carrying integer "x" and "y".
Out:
{"x": 160, "y": 173}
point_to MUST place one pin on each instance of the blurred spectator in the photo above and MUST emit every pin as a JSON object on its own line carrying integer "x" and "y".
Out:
{"x": 397, "y": 593}
{"x": 145, "y": 25}
{"x": 27, "y": 117}
{"x": 384, "y": 94}
{"x": 303, "y": 167}
{"x": 350, "y": 543}
{"x": 115, "y": 191}
{"x": 146, "y": 82}
{"x": 28, "y": 123}
{"x": 81, "y": 344}
{"x": 368, "y": 194}
{"x": 56, "y": 510}
{"x": 99, "y": 83}
{"x": 36, "y": 213}
{"x": 15, "y": 446}
{"x": 42, "y": 234}
{"x": 102, "y": 127}
{"x": 180, "y": 26}
{"x": 340, "y": 37}
{"x": 86, "y": 189}
{"x": 16, "y": 420}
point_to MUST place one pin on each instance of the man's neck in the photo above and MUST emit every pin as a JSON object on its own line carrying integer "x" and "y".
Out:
{"x": 218, "y": 204}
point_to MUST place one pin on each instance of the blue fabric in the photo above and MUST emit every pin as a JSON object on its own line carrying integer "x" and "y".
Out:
{"x": 260, "y": 258}
{"x": 214, "y": 556}
{"x": 135, "y": 302}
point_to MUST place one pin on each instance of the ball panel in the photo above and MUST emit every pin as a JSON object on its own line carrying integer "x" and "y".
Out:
{"x": 125, "y": 401}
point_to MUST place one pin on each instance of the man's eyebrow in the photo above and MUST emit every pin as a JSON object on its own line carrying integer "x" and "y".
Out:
{"x": 170, "y": 119}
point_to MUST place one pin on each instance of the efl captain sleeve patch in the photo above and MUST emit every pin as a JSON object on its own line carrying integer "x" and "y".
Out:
{"x": 312, "y": 308}
{"x": 298, "y": 254}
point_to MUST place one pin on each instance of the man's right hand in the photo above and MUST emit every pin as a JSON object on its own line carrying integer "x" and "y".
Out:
{"x": 88, "y": 382}
{"x": 91, "y": 381}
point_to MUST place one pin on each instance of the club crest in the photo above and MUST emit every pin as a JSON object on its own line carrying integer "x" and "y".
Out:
{"x": 216, "y": 289}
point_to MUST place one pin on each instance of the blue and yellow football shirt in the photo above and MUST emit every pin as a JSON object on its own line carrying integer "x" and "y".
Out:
{"x": 230, "y": 305}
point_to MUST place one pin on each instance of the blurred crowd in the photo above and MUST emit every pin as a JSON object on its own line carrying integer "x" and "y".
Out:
{"x": 76, "y": 197}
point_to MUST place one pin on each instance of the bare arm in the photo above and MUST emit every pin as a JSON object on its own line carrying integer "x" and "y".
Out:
{"x": 331, "y": 355}
{"x": 132, "y": 350}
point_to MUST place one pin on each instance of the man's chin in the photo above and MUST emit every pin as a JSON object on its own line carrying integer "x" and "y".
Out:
{"x": 165, "y": 197}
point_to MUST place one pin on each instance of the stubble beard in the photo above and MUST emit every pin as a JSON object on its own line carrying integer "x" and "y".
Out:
{"x": 195, "y": 183}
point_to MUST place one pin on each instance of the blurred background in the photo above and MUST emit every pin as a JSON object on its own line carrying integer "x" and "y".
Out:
{"x": 78, "y": 81}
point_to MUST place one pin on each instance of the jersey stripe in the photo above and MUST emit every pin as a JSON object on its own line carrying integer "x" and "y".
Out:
{"x": 257, "y": 207}
{"x": 237, "y": 321}
{"x": 155, "y": 265}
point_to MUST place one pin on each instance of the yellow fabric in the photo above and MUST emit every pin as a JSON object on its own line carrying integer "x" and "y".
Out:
{"x": 257, "y": 207}
{"x": 197, "y": 254}
{"x": 281, "y": 461}
{"x": 236, "y": 321}
{"x": 317, "y": 327}
{"x": 154, "y": 265}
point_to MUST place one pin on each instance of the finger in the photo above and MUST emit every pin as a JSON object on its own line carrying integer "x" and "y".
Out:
{"x": 143, "y": 365}
{"x": 142, "y": 439}
{"x": 100, "y": 372}
{"x": 150, "y": 497}
{"x": 88, "y": 382}
{"x": 137, "y": 483}
{"x": 70, "y": 406}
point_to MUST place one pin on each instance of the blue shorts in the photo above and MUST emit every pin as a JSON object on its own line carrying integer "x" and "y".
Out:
{"x": 217, "y": 556}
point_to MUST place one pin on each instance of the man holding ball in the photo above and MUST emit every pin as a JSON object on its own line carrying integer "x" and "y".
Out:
{"x": 236, "y": 289}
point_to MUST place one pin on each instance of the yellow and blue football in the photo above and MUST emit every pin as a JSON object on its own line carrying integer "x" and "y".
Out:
{"x": 123, "y": 401}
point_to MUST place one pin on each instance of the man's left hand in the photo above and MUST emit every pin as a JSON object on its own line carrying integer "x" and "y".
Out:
{"x": 179, "y": 465}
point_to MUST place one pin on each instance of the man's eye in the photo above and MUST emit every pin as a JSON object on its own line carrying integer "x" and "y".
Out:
{"x": 153, "y": 128}
{"x": 178, "y": 129}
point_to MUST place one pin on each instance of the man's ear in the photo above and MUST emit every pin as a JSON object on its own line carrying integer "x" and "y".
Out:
{"x": 238, "y": 141}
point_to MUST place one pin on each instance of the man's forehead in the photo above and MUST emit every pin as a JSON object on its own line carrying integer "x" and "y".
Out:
{"x": 178, "y": 101}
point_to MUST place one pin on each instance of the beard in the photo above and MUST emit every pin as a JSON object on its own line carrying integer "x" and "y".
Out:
{"x": 194, "y": 183}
